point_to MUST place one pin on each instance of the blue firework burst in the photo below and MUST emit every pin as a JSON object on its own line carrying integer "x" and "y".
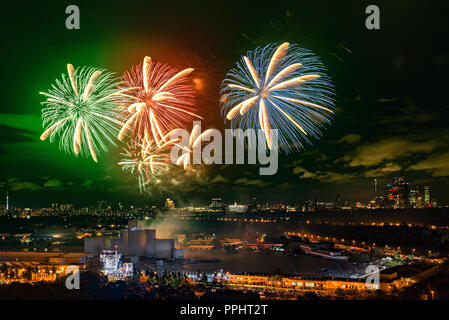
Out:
{"x": 282, "y": 87}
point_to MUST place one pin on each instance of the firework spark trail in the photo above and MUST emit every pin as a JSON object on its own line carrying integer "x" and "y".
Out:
{"x": 161, "y": 100}
{"x": 147, "y": 159}
{"x": 279, "y": 87}
{"x": 80, "y": 111}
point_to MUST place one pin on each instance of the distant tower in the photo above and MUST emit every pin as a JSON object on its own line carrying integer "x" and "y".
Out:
{"x": 338, "y": 202}
{"x": 375, "y": 189}
{"x": 7, "y": 198}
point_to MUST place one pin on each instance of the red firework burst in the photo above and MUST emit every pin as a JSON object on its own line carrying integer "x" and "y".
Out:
{"x": 160, "y": 98}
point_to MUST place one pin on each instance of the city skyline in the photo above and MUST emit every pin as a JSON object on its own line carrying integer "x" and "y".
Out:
{"x": 412, "y": 190}
{"x": 408, "y": 196}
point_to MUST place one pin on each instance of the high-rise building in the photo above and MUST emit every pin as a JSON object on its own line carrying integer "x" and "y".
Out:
{"x": 419, "y": 200}
{"x": 375, "y": 189}
{"x": 7, "y": 200}
{"x": 397, "y": 192}
{"x": 413, "y": 197}
{"x": 427, "y": 202}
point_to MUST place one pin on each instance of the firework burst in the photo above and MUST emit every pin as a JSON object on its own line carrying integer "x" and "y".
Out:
{"x": 279, "y": 87}
{"x": 79, "y": 110}
{"x": 147, "y": 159}
{"x": 161, "y": 101}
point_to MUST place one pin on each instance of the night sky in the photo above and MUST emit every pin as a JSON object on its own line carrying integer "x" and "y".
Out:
{"x": 391, "y": 85}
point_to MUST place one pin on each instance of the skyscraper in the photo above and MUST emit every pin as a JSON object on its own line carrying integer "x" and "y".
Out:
{"x": 397, "y": 192}
{"x": 375, "y": 189}
{"x": 7, "y": 198}
{"x": 412, "y": 197}
{"x": 427, "y": 196}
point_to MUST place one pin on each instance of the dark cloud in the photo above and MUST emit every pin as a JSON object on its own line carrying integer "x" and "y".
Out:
{"x": 253, "y": 182}
{"x": 219, "y": 179}
{"x": 385, "y": 170}
{"x": 373, "y": 154}
{"x": 350, "y": 138}
{"x": 10, "y": 135}
{"x": 324, "y": 176}
{"x": 436, "y": 164}
{"x": 53, "y": 183}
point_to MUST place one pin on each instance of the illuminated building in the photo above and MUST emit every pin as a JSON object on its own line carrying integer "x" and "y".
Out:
{"x": 30, "y": 267}
{"x": 169, "y": 203}
{"x": 412, "y": 197}
{"x": 375, "y": 189}
{"x": 308, "y": 206}
{"x": 240, "y": 208}
{"x": 325, "y": 205}
{"x": 7, "y": 200}
{"x": 180, "y": 239}
{"x": 391, "y": 279}
{"x": 427, "y": 202}
{"x": 110, "y": 260}
{"x": 126, "y": 270}
{"x": 397, "y": 192}
{"x": 419, "y": 201}
{"x": 52, "y": 233}
{"x": 66, "y": 207}
{"x": 293, "y": 284}
{"x": 360, "y": 205}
